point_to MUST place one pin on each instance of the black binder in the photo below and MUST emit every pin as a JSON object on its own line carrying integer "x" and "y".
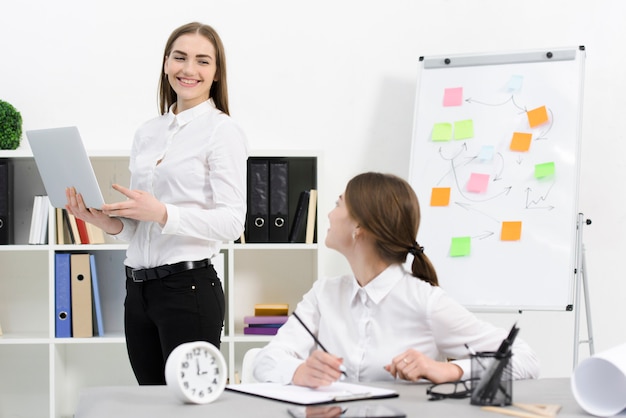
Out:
{"x": 258, "y": 201}
{"x": 6, "y": 202}
{"x": 279, "y": 202}
{"x": 298, "y": 226}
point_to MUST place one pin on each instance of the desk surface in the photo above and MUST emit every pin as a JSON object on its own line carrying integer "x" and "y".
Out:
{"x": 157, "y": 401}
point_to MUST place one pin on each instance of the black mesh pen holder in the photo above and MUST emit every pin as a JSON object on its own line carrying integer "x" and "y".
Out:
{"x": 492, "y": 379}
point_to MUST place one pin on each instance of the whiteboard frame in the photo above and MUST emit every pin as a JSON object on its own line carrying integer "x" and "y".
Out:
{"x": 441, "y": 63}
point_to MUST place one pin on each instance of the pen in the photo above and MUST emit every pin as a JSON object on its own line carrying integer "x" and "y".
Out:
{"x": 316, "y": 340}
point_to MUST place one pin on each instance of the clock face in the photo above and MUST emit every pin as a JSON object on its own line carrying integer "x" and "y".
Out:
{"x": 196, "y": 371}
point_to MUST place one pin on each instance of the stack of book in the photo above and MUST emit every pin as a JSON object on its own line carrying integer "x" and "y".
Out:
{"x": 267, "y": 319}
{"x": 39, "y": 221}
{"x": 71, "y": 230}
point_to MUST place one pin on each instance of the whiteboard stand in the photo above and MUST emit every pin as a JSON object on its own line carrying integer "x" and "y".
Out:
{"x": 581, "y": 278}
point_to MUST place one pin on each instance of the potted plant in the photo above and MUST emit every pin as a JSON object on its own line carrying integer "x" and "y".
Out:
{"x": 10, "y": 126}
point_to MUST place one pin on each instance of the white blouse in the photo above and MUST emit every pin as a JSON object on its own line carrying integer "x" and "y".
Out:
{"x": 368, "y": 326}
{"x": 195, "y": 163}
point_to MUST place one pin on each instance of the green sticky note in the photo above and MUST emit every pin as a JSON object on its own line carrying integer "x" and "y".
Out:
{"x": 460, "y": 246}
{"x": 442, "y": 132}
{"x": 544, "y": 170}
{"x": 464, "y": 129}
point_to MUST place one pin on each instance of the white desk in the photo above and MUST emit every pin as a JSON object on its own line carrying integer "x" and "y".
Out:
{"x": 157, "y": 401}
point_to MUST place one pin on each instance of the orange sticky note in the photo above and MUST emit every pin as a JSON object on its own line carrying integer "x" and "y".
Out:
{"x": 511, "y": 231}
{"x": 521, "y": 141}
{"x": 537, "y": 116}
{"x": 440, "y": 196}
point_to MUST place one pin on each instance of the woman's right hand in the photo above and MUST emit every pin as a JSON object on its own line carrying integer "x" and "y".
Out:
{"x": 320, "y": 369}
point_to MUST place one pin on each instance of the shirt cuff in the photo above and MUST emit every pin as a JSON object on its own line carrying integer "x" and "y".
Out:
{"x": 466, "y": 366}
{"x": 173, "y": 220}
{"x": 127, "y": 231}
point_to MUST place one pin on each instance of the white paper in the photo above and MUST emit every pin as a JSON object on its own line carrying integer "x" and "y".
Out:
{"x": 599, "y": 382}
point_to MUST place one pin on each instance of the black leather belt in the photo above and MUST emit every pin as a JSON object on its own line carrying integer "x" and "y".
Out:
{"x": 143, "y": 275}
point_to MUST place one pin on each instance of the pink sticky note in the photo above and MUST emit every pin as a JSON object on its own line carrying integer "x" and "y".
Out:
{"x": 453, "y": 96}
{"x": 478, "y": 183}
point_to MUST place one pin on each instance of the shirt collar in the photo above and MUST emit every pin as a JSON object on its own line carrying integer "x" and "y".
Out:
{"x": 381, "y": 285}
{"x": 188, "y": 115}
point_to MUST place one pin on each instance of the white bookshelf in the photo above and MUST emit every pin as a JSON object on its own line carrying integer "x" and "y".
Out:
{"x": 42, "y": 375}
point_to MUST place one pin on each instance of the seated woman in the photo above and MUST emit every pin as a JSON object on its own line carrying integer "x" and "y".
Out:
{"x": 381, "y": 322}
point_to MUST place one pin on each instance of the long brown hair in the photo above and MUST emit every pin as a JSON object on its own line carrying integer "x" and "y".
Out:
{"x": 387, "y": 207}
{"x": 219, "y": 88}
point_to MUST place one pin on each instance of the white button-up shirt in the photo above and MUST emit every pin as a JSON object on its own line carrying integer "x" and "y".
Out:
{"x": 368, "y": 326}
{"x": 195, "y": 163}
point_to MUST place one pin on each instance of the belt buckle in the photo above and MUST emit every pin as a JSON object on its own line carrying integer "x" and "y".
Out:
{"x": 134, "y": 277}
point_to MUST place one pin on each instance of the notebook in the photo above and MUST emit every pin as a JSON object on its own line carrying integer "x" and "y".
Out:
{"x": 63, "y": 162}
{"x": 300, "y": 395}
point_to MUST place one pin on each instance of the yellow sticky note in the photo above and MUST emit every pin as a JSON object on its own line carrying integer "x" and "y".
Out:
{"x": 544, "y": 170}
{"x": 460, "y": 246}
{"x": 440, "y": 196}
{"x": 521, "y": 141}
{"x": 442, "y": 132}
{"x": 511, "y": 231}
{"x": 464, "y": 129}
{"x": 537, "y": 116}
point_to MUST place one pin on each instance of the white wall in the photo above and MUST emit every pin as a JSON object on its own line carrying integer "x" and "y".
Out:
{"x": 339, "y": 76}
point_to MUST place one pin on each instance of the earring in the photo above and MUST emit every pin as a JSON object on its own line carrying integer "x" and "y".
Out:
{"x": 353, "y": 235}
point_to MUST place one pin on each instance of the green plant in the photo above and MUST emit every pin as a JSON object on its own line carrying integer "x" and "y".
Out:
{"x": 10, "y": 126}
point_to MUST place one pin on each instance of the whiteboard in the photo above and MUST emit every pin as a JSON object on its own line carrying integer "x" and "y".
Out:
{"x": 495, "y": 165}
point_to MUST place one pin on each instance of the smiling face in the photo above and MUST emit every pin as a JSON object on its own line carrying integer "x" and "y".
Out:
{"x": 191, "y": 68}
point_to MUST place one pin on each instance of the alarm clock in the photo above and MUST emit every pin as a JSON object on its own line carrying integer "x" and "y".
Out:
{"x": 196, "y": 372}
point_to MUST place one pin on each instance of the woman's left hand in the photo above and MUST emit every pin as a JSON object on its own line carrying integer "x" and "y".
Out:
{"x": 413, "y": 365}
{"x": 140, "y": 205}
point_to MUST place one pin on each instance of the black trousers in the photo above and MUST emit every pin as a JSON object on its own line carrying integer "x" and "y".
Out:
{"x": 163, "y": 313}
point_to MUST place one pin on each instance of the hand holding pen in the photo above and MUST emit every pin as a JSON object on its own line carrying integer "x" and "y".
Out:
{"x": 321, "y": 368}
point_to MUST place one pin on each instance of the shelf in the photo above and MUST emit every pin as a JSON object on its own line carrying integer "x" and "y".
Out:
{"x": 45, "y": 374}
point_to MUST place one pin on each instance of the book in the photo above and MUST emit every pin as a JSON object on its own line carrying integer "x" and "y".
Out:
{"x": 271, "y": 309}
{"x": 68, "y": 228}
{"x": 260, "y": 331}
{"x": 311, "y": 218}
{"x": 95, "y": 234}
{"x": 74, "y": 228}
{"x": 82, "y": 317}
{"x": 60, "y": 226}
{"x": 265, "y": 319}
{"x": 298, "y": 226}
{"x": 82, "y": 231}
{"x": 62, "y": 296}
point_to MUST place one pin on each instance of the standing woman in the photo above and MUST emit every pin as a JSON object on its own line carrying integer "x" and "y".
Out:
{"x": 187, "y": 196}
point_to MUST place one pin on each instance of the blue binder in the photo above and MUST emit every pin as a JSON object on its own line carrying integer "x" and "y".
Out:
{"x": 62, "y": 296}
{"x": 98, "y": 328}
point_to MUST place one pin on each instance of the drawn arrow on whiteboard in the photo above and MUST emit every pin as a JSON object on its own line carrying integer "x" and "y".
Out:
{"x": 510, "y": 99}
{"x": 468, "y": 207}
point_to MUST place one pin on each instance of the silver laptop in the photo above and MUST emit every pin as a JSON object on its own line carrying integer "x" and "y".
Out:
{"x": 63, "y": 162}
